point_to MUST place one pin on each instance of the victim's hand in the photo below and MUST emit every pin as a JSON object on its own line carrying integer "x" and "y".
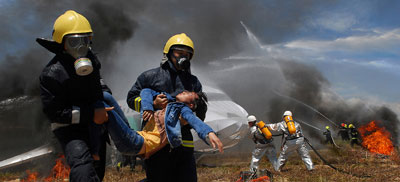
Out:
{"x": 100, "y": 115}
{"x": 215, "y": 142}
{"x": 147, "y": 115}
{"x": 160, "y": 101}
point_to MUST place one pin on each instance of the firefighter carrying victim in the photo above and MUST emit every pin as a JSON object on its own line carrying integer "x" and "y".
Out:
{"x": 173, "y": 76}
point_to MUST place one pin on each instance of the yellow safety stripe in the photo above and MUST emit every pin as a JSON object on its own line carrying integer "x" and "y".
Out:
{"x": 137, "y": 103}
{"x": 188, "y": 143}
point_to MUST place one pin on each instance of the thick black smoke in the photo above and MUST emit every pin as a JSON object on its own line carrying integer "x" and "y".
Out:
{"x": 111, "y": 25}
{"x": 304, "y": 83}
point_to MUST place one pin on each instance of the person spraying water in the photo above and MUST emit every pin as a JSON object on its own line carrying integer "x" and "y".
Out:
{"x": 293, "y": 141}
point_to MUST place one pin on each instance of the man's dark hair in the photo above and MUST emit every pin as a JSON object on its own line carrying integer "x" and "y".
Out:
{"x": 201, "y": 105}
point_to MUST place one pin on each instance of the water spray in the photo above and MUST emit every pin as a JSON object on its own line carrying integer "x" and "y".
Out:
{"x": 309, "y": 125}
{"x": 253, "y": 39}
{"x": 315, "y": 110}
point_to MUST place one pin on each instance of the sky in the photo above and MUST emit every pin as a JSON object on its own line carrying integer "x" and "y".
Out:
{"x": 338, "y": 56}
{"x": 356, "y": 45}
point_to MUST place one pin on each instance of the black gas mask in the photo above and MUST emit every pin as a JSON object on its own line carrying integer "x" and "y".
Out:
{"x": 182, "y": 61}
{"x": 78, "y": 46}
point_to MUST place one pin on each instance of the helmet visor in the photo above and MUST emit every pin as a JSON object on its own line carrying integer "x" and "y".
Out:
{"x": 182, "y": 48}
{"x": 77, "y": 45}
{"x": 74, "y": 41}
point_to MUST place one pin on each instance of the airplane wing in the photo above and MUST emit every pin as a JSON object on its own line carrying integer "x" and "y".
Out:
{"x": 27, "y": 156}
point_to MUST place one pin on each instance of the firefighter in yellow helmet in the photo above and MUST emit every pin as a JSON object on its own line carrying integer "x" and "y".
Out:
{"x": 354, "y": 135}
{"x": 72, "y": 96}
{"x": 293, "y": 141}
{"x": 328, "y": 135}
{"x": 179, "y": 49}
{"x": 172, "y": 76}
{"x": 74, "y": 33}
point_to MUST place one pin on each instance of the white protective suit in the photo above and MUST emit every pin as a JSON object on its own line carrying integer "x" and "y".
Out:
{"x": 290, "y": 144}
{"x": 263, "y": 146}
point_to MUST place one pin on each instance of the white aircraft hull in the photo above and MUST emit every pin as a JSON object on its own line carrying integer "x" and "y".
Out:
{"x": 225, "y": 117}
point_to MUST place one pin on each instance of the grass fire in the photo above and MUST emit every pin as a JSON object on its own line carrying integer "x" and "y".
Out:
{"x": 376, "y": 139}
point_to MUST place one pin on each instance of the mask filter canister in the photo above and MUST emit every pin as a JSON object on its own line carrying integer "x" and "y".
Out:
{"x": 83, "y": 66}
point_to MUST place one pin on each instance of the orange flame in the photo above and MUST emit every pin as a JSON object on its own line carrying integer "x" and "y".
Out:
{"x": 60, "y": 171}
{"x": 376, "y": 139}
{"x": 261, "y": 179}
{"x": 32, "y": 176}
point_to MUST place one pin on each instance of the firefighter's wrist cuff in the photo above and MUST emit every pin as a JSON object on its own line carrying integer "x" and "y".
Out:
{"x": 76, "y": 115}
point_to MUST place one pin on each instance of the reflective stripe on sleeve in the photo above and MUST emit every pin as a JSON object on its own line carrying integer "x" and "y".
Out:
{"x": 137, "y": 103}
{"x": 187, "y": 143}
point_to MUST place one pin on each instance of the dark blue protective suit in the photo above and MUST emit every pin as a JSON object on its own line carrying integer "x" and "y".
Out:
{"x": 168, "y": 164}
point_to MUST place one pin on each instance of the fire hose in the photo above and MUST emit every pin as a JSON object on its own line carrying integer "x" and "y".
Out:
{"x": 330, "y": 165}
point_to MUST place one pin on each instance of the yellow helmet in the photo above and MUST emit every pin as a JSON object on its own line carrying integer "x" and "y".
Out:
{"x": 351, "y": 126}
{"x": 178, "y": 39}
{"x": 70, "y": 22}
{"x": 327, "y": 127}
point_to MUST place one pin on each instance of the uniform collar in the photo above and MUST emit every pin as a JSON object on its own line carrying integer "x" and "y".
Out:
{"x": 171, "y": 66}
